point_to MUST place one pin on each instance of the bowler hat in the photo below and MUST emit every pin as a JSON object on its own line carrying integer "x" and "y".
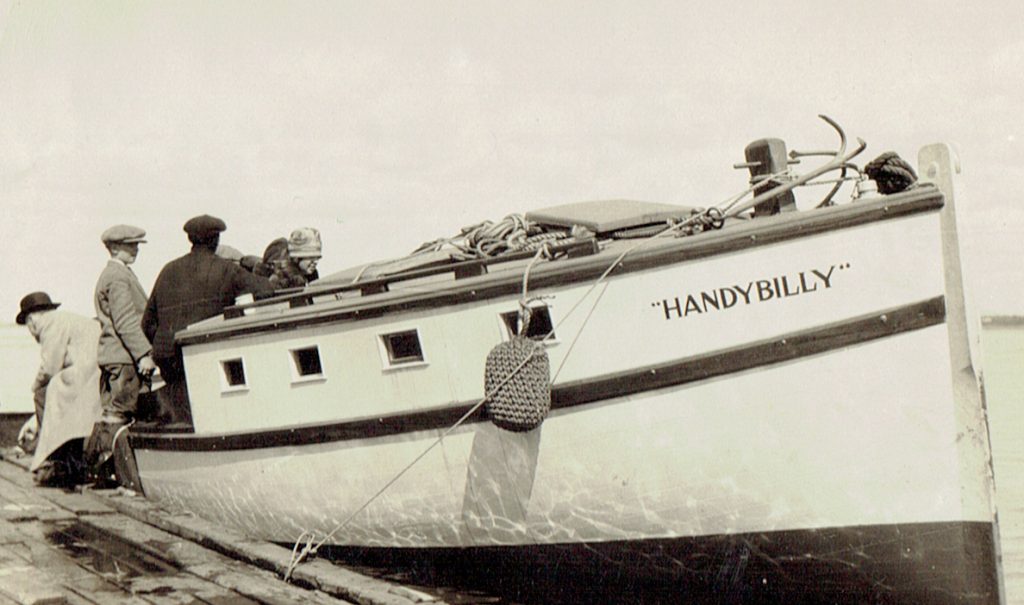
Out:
{"x": 204, "y": 226}
{"x": 36, "y": 301}
{"x": 124, "y": 234}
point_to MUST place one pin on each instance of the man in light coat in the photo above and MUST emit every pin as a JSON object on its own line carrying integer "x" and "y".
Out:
{"x": 66, "y": 388}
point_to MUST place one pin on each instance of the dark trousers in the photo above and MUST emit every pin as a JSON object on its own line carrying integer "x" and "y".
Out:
{"x": 173, "y": 397}
{"x": 119, "y": 391}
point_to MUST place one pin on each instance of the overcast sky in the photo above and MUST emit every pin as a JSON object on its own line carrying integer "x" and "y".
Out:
{"x": 389, "y": 124}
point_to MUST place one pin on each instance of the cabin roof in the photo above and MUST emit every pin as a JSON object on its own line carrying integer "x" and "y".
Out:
{"x": 604, "y": 216}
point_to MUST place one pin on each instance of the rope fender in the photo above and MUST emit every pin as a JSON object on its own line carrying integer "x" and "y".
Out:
{"x": 524, "y": 400}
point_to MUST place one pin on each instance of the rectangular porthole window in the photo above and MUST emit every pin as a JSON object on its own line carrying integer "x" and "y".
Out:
{"x": 539, "y": 328}
{"x": 402, "y": 349}
{"x": 233, "y": 374}
{"x": 306, "y": 365}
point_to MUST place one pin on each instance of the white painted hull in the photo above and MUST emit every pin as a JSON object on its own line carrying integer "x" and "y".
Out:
{"x": 829, "y": 401}
{"x": 769, "y": 449}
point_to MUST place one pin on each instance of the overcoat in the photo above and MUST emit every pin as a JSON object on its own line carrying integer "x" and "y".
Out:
{"x": 191, "y": 288}
{"x": 69, "y": 373}
{"x": 120, "y": 301}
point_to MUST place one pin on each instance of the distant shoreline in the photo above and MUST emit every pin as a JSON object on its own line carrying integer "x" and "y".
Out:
{"x": 1002, "y": 320}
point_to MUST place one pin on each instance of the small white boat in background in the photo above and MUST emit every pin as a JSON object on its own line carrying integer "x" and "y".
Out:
{"x": 784, "y": 394}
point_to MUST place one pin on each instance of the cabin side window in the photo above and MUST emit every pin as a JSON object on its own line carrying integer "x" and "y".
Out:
{"x": 540, "y": 327}
{"x": 306, "y": 364}
{"x": 232, "y": 375}
{"x": 401, "y": 349}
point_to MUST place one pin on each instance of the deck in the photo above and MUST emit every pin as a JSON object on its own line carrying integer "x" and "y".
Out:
{"x": 89, "y": 546}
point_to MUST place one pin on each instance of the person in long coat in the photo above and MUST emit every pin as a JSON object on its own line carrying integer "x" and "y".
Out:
{"x": 189, "y": 289}
{"x": 66, "y": 387}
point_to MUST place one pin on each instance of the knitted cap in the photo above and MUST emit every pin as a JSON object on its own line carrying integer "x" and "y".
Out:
{"x": 304, "y": 243}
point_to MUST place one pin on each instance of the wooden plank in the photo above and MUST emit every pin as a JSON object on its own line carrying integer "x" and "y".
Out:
{"x": 243, "y": 579}
{"x": 22, "y": 503}
{"x": 74, "y": 580}
{"x": 113, "y": 585}
{"x": 323, "y": 575}
{"x": 75, "y": 501}
{"x": 27, "y": 585}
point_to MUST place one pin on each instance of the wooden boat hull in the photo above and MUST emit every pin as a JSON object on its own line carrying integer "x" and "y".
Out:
{"x": 784, "y": 404}
{"x": 770, "y": 448}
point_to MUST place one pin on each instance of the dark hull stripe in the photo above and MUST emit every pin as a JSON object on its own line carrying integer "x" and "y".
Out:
{"x": 791, "y": 346}
{"x": 764, "y": 232}
{"x": 913, "y": 564}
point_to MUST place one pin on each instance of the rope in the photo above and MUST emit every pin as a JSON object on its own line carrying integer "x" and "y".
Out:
{"x": 300, "y": 556}
{"x": 891, "y": 172}
{"x": 713, "y": 214}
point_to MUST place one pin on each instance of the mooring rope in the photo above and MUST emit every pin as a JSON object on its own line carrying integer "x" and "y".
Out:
{"x": 713, "y": 215}
{"x": 296, "y": 559}
{"x": 299, "y": 555}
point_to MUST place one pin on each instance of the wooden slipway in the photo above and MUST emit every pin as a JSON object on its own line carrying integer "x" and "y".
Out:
{"x": 110, "y": 546}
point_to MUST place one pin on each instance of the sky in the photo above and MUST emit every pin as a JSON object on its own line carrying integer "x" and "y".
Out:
{"x": 388, "y": 124}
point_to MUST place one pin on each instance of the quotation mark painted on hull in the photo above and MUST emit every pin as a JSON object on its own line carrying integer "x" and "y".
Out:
{"x": 753, "y": 292}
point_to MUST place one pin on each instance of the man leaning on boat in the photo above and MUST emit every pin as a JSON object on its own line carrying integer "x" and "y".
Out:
{"x": 188, "y": 289}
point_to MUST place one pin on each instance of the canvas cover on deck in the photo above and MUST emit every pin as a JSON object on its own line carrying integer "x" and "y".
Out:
{"x": 604, "y": 216}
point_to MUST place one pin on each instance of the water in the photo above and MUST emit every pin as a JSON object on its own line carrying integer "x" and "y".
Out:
{"x": 105, "y": 554}
{"x": 19, "y": 360}
{"x": 1003, "y": 363}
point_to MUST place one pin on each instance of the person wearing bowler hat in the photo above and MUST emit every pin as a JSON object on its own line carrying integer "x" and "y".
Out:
{"x": 291, "y": 262}
{"x": 189, "y": 289}
{"x": 124, "y": 353}
{"x": 65, "y": 390}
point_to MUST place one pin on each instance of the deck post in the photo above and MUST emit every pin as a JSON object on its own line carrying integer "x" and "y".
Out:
{"x": 938, "y": 165}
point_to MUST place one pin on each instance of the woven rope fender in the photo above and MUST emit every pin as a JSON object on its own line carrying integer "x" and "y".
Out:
{"x": 523, "y": 401}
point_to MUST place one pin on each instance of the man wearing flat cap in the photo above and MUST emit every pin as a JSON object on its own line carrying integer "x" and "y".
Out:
{"x": 124, "y": 353}
{"x": 189, "y": 289}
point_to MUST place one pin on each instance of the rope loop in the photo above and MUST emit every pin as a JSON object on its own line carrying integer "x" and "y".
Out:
{"x": 715, "y": 218}
{"x": 299, "y": 556}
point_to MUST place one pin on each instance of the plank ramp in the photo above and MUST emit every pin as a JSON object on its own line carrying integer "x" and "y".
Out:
{"x": 88, "y": 546}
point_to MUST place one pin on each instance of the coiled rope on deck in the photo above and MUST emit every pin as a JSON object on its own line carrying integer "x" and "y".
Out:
{"x": 487, "y": 239}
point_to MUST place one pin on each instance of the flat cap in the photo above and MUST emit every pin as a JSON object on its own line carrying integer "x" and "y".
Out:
{"x": 204, "y": 226}
{"x": 123, "y": 234}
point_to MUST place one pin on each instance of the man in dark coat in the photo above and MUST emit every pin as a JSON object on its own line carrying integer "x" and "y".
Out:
{"x": 189, "y": 289}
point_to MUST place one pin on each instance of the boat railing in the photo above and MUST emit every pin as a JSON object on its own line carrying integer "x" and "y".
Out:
{"x": 302, "y": 297}
{"x": 770, "y": 187}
